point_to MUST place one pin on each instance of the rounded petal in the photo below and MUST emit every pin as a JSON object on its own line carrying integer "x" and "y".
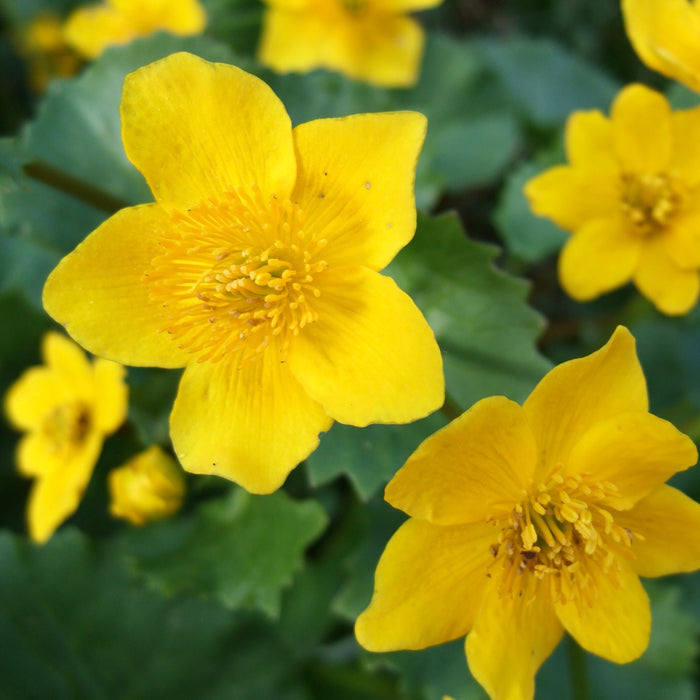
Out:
{"x": 56, "y": 495}
{"x": 90, "y": 30}
{"x": 589, "y": 141}
{"x": 664, "y": 526}
{"x": 98, "y": 292}
{"x": 672, "y": 290}
{"x": 511, "y": 638}
{"x": 666, "y": 36}
{"x": 33, "y": 396}
{"x": 111, "y": 395}
{"x": 371, "y": 356}
{"x": 36, "y": 455}
{"x": 637, "y": 452}
{"x": 572, "y": 197}
{"x": 471, "y": 469}
{"x": 618, "y": 624}
{"x": 600, "y": 256}
{"x": 681, "y": 239}
{"x": 69, "y": 363}
{"x": 251, "y": 424}
{"x": 576, "y": 395}
{"x": 197, "y": 130}
{"x": 642, "y": 135}
{"x": 428, "y": 586}
{"x": 685, "y": 159}
{"x": 356, "y": 184}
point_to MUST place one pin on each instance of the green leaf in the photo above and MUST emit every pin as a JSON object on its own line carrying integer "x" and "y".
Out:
{"x": 241, "y": 550}
{"x": 485, "y": 329}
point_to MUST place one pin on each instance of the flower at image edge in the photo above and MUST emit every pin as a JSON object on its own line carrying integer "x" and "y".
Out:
{"x": 66, "y": 406}
{"x": 666, "y": 36}
{"x": 91, "y": 29}
{"x": 150, "y": 486}
{"x": 369, "y": 40}
{"x": 630, "y": 195}
{"x": 530, "y": 520}
{"x": 256, "y": 270}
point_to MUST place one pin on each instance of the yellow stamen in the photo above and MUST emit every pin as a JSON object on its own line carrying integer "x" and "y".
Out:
{"x": 650, "y": 201}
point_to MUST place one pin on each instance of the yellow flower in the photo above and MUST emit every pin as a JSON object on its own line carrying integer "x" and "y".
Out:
{"x": 256, "y": 269}
{"x": 530, "y": 520}
{"x": 67, "y": 407}
{"x": 666, "y": 36}
{"x": 90, "y": 30}
{"x": 370, "y": 40}
{"x": 150, "y": 486}
{"x": 631, "y": 197}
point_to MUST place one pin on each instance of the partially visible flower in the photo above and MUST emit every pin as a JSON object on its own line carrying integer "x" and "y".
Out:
{"x": 90, "y": 30}
{"x": 46, "y": 52}
{"x": 666, "y": 36}
{"x": 257, "y": 270}
{"x": 67, "y": 406}
{"x": 370, "y": 40}
{"x": 631, "y": 197}
{"x": 150, "y": 486}
{"x": 530, "y": 520}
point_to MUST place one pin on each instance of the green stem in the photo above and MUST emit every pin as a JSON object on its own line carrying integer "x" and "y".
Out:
{"x": 450, "y": 409}
{"x": 75, "y": 187}
{"x": 577, "y": 665}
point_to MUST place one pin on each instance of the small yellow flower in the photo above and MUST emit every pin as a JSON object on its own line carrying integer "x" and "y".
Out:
{"x": 666, "y": 36}
{"x": 631, "y": 197}
{"x": 370, "y": 40}
{"x": 90, "y": 30}
{"x": 67, "y": 406}
{"x": 256, "y": 269}
{"x": 530, "y": 520}
{"x": 150, "y": 486}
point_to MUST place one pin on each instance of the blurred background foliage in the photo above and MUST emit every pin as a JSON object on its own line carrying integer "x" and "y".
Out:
{"x": 242, "y": 596}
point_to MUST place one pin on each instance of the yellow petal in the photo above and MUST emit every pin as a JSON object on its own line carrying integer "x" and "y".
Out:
{"x": 641, "y": 120}
{"x": 572, "y": 197}
{"x": 252, "y": 424}
{"x": 602, "y": 255}
{"x": 618, "y": 624}
{"x": 90, "y": 30}
{"x": 666, "y": 36}
{"x": 197, "y": 130}
{"x": 672, "y": 290}
{"x": 681, "y": 239}
{"x": 371, "y": 356}
{"x": 98, "y": 292}
{"x": 428, "y": 586}
{"x": 685, "y": 159}
{"x": 637, "y": 452}
{"x": 405, "y": 6}
{"x": 589, "y": 141}
{"x": 576, "y": 395}
{"x": 33, "y": 396}
{"x": 355, "y": 184}
{"x": 69, "y": 363}
{"x": 37, "y": 455}
{"x": 111, "y": 395}
{"x": 182, "y": 17}
{"x": 667, "y": 522}
{"x": 56, "y": 495}
{"x": 469, "y": 470}
{"x": 510, "y": 640}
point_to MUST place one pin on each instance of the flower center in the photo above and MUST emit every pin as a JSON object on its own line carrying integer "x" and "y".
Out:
{"x": 547, "y": 537}
{"x": 650, "y": 201}
{"x": 236, "y": 274}
{"x": 67, "y": 425}
{"x": 354, "y": 7}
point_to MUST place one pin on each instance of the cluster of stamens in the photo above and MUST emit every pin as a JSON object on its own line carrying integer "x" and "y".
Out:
{"x": 66, "y": 425}
{"x": 236, "y": 274}
{"x": 650, "y": 201}
{"x": 554, "y": 534}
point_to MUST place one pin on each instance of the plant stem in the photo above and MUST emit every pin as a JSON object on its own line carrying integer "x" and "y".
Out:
{"x": 577, "y": 666}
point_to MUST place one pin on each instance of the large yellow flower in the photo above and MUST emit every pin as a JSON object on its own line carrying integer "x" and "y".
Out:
{"x": 530, "y": 520}
{"x": 90, "y": 30}
{"x": 370, "y": 40}
{"x": 67, "y": 407}
{"x": 256, "y": 269}
{"x": 631, "y": 197}
{"x": 666, "y": 36}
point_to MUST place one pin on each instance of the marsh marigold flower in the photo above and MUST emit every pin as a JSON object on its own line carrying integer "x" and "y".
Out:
{"x": 256, "y": 270}
{"x": 150, "y": 486}
{"x": 91, "y": 29}
{"x": 631, "y": 197}
{"x": 530, "y": 520}
{"x": 666, "y": 36}
{"x": 369, "y": 40}
{"x": 67, "y": 406}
